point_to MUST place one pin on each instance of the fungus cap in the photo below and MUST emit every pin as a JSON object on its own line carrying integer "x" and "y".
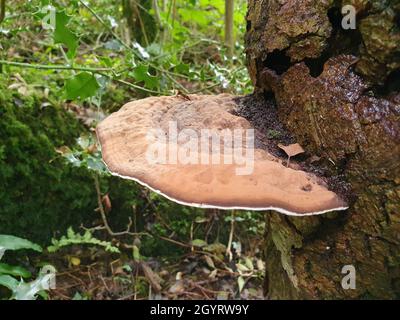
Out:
{"x": 153, "y": 126}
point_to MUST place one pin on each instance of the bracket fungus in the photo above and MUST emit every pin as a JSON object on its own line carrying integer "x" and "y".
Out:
{"x": 196, "y": 150}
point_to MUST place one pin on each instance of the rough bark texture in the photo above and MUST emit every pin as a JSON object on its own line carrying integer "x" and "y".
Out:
{"x": 338, "y": 92}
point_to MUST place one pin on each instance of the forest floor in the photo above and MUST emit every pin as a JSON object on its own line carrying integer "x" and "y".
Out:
{"x": 84, "y": 274}
{"x": 87, "y": 68}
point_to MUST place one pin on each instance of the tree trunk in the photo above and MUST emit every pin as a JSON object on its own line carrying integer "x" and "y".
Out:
{"x": 337, "y": 91}
{"x": 229, "y": 36}
{"x": 141, "y": 25}
{"x": 2, "y": 10}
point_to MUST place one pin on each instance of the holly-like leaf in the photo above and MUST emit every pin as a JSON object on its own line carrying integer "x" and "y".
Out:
{"x": 83, "y": 85}
{"x": 62, "y": 34}
{"x": 182, "y": 68}
{"x": 141, "y": 74}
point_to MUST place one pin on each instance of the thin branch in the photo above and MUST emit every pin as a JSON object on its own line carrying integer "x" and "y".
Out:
{"x": 142, "y": 27}
{"x": 105, "y": 24}
{"x": 134, "y": 85}
{"x": 99, "y": 71}
{"x": 228, "y": 247}
{"x": 52, "y": 66}
{"x": 103, "y": 213}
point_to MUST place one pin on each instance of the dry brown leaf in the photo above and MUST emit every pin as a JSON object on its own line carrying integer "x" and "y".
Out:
{"x": 152, "y": 277}
{"x": 106, "y": 203}
{"x": 177, "y": 288}
{"x": 213, "y": 274}
{"x": 292, "y": 149}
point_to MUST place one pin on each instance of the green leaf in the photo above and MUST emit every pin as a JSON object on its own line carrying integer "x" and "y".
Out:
{"x": 83, "y": 85}
{"x": 15, "y": 243}
{"x": 199, "y": 243}
{"x": 30, "y": 290}
{"x": 136, "y": 254}
{"x": 73, "y": 238}
{"x": 241, "y": 283}
{"x": 201, "y": 220}
{"x": 249, "y": 263}
{"x": 182, "y": 68}
{"x": 63, "y": 35}
{"x": 141, "y": 73}
{"x": 8, "y": 282}
{"x": 14, "y": 271}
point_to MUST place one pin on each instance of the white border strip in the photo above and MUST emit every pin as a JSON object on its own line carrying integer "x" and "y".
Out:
{"x": 205, "y": 206}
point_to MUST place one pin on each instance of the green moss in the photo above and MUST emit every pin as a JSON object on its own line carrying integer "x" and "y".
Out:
{"x": 39, "y": 193}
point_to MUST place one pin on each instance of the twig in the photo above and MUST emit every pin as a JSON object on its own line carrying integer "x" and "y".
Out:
{"x": 99, "y": 71}
{"x": 109, "y": 29}
{"x": 175, "y": 242}
{"x": 52, "y": 66}
{"x": 228, "y": 248}
{"x": 142, "y": 27}
{"x": 206, "y": 88}
{"x": 125, "y": 44}
{"x": 103, "y": 214}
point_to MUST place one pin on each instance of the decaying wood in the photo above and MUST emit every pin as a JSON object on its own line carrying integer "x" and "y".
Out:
{"x": 337, "y": 101}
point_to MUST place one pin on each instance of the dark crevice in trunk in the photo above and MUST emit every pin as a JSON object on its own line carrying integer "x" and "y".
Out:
{"x": 278, "y": 61}
{"x": 392, "y": 85}
{"x": 340, "y": 42}
{"x": 326, "y": 229}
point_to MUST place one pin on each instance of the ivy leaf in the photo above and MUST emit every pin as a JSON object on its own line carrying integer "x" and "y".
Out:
{"x": 141, "y": 74}
{"x": 14, "y": 270}
{"x": 83, "y": 85}
{"x": 62, "y": 34}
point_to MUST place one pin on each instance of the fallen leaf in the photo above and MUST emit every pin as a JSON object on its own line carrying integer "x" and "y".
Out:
{"x": 106, "y": 203}
{"x": 292, "y": 149}
{"x": 260, "y": 265}
{"x": 313, "y": 159}
{"x": 213, "y": 274}
{"x": 177, "y": 288}
{"x": 178, "y": 276}
{"x": 209, "y": 261}
{"x": 75, "y": 261}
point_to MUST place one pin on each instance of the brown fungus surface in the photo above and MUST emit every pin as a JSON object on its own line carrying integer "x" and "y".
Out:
{"x": 269, "y": 185}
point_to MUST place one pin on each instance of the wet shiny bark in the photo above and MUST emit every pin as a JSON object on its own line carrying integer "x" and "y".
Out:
{"x": 338, "y": 92}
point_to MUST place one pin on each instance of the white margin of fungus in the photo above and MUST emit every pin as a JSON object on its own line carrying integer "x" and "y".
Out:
{"x": 206, "y": 206}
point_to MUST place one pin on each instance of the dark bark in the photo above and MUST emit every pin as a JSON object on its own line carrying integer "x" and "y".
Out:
{"x": 2, "y": 10}
{"x": 338, "y": 93}
{"x": 142, "y": 26}
{"x": 229, "y": 36}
